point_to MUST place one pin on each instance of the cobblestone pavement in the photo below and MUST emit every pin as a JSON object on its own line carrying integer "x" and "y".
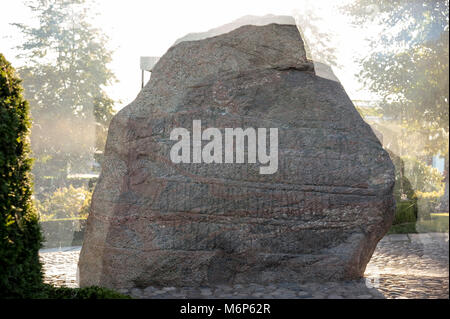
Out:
{"x": 60, "y": 266}
{"x": 402, "y": 266}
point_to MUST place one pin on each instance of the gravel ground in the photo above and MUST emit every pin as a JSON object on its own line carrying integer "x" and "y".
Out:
{"x": 402, "y": 266}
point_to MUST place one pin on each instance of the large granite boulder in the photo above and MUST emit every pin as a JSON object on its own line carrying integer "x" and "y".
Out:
{"x": 318, "y": 217}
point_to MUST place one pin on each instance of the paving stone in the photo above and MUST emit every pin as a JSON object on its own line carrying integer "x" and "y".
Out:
{"x": 398, "y": 237}
{"x": 415, "y": 268}
{"x": 135, "y": 292}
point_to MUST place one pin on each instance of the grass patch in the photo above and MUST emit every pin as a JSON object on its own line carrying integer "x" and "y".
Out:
{"x": 439, "y": 223}
{"x": 93, "y": 292}
{"x": 435, "y": 225}
{"x": 439, "y": 215}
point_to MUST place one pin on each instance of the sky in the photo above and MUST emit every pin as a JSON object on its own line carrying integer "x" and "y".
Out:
{"x": 148, "y": 28}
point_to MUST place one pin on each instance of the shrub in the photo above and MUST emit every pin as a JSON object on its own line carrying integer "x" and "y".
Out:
{"x": 424, "y": 178}
{"x": 405, "y": 228}
{"x": 418, "y": 187}
{"x": 402, "y": 188}
{"x": 66, "y": 202}
{"x": 20, "y": 236}
{"x": 406, "y": 212}
{"x": 93, "y": 292}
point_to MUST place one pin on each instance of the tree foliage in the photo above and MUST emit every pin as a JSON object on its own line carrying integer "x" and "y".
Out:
{"x": 318, "y": 42}
{"x": 408, "y": 66}
{"x": 65, "y": 202}
{"x": 64, "y": 77}
{"x": 20, "y": 236}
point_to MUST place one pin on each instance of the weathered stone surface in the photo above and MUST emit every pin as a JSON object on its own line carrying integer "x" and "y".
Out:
{"x": 319, "y": 217}
{"x": 240, "y": 22}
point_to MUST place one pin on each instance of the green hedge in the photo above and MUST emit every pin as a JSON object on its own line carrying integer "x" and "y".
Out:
{"x": 405, "y": 228}
{"x": 405, "y": 212}
{"x": 20, "y": 236}
{"x": 93, "y": 292}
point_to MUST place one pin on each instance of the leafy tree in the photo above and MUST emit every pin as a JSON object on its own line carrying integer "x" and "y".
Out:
{"x": 64, "y": 78}
{"x": 103, "y": 112}
{"x": 66, "y": 202}
{"x": 424, "y": 178}
{"x": 317, "y": 42}
{"x": 408, "y": 68}
{"x": 20, "y": 236}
